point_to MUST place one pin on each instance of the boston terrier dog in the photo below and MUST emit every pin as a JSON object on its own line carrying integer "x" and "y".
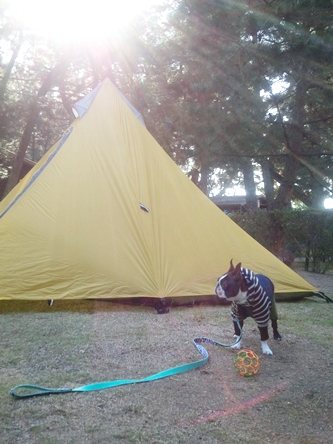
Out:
{"x": 252, "y": 295}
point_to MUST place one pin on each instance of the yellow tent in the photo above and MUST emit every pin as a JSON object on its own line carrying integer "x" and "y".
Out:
{"x": 106, "y": 213}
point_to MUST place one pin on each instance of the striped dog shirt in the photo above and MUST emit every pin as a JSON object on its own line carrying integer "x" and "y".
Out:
{"x": 260, "y": 296}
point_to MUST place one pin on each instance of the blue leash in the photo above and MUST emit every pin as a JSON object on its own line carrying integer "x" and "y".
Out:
{"x": 28, "y": 391}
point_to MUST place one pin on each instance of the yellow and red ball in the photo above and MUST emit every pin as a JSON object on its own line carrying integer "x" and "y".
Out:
{"x": 247, "y": 362}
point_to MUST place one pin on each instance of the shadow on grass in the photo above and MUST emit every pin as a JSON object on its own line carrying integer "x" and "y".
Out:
{"x": 79, "y": 306}
{"x": 107, "y": 305}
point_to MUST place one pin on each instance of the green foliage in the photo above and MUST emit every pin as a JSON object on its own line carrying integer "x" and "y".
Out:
{"x": 290, "y": 234}
{"x": 203, "y": 75}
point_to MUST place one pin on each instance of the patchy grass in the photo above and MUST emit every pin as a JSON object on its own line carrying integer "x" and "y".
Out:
{"x": 75, "y": 343}
{"x": 308, "y": 318}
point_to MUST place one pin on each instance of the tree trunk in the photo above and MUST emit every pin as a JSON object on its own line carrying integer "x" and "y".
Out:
{"x": 33, "y": 114}
{"x": 297, "y": 192}
{"x": 18, "y": 163}
{"x": 204, "y": 171}
{"x": 250, "y": 187}
{"x": 317, "y": 194}
{"x": 283, "y": 199}
{"x": 293, "y": 140}
{"x": 67, "y": 104}
{"x": 268, "y": 183}
{"x": 203, "y": 184}
{"x": 4, "y": 81}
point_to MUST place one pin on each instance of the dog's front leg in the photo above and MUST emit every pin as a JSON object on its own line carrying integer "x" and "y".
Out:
{"x": 264, "y": 336}
{"x": 237, "y": 326}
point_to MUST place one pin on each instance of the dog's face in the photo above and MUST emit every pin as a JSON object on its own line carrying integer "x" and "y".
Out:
{"x": 231, "y": 286}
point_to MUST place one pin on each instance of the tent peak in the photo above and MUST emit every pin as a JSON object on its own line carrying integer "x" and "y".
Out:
{"x": 81, "y": 107}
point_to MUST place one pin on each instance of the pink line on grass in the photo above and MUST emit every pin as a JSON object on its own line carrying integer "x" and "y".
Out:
{"x": 239, "y": 407}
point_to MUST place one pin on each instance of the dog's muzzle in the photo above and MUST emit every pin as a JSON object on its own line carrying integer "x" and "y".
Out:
{"x": 219, "y": 291}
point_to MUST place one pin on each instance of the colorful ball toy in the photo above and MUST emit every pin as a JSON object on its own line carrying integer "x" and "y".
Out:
{"x": 247, "y": 363}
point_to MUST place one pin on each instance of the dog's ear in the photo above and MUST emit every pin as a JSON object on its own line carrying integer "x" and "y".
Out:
{"x": 231, "y": 267}
{"x": 238, "y": 267}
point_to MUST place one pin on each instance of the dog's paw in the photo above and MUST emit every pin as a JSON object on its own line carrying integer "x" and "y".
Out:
{"x": 237, "y": 345}
{"x": 265, "y": 349}
{"x": 277, "y": 336}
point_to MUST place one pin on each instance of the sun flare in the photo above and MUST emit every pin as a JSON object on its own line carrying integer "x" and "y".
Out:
{"x": 77, "y": 20}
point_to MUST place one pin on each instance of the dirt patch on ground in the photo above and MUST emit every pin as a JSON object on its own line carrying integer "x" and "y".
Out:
{"x": 323, "y": 282}
{"x": 289, "y": 401}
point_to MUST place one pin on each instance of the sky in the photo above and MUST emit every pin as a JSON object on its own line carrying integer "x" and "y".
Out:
{"x": 75, "y": 20}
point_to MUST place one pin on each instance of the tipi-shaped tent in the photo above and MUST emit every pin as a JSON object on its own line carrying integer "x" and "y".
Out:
{"x": 106, "y": 213}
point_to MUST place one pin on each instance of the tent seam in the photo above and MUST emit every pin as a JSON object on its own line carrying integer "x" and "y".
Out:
{"x": 37, "y": 173}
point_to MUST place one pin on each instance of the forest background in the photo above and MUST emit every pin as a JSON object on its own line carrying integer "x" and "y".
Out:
{"x": 238, "y": 93}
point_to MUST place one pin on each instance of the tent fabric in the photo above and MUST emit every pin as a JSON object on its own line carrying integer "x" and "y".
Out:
{"x": 106, "y": 213}
{"x": 81, "y": 107}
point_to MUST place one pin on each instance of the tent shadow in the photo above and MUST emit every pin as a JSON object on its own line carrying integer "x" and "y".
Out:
{"x": 74, "y": 306}
{"x": 104, "y": 305}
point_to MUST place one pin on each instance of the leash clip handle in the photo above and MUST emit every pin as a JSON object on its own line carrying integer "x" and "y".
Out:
{"x": 27, "y": 391}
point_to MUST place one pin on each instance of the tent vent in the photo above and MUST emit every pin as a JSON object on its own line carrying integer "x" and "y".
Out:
{"x": 144, "y": 208}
